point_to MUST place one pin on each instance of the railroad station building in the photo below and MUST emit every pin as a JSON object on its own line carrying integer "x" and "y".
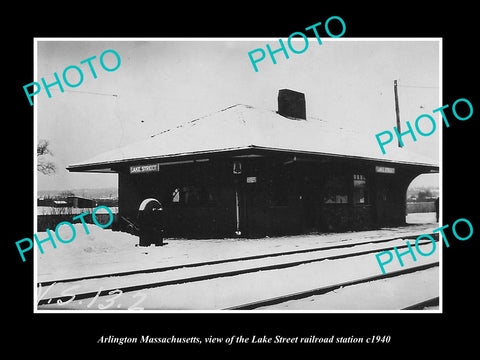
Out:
{"x": 250, "y": 172}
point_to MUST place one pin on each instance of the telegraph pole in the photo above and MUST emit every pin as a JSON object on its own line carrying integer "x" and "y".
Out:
{"x": 397, "y": 109}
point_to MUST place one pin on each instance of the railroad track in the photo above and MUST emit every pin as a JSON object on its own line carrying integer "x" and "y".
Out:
{"x": 223, "y": 261}
{"x": 326, "y": 289}
{"x": 421, "y": 305}
{"x": 214, "y": 275}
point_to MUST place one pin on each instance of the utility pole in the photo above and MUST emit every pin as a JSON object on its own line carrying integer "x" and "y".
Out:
{"x": 397, "y": 109}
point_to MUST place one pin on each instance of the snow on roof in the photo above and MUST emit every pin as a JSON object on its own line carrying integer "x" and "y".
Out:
{"x": 242, "y": 126}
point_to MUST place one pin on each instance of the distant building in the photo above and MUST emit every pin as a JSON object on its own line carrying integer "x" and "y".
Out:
{"x": 80, "y": 202}
{"x": 252, "y": 172}
{"x": 60, "y": 203}
{"x": 110, "y": 202}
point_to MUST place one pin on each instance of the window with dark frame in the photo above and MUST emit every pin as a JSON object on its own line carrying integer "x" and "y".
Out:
{"x": 360, "y": 190}
{"x": 336, "y": 189}
{"x": 192, "y": 195}
{"x": 176, "y": 196}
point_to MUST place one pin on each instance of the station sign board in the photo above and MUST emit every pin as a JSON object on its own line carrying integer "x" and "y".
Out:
{"x": 384, "y": 170}
{"x": 141, "y": 169}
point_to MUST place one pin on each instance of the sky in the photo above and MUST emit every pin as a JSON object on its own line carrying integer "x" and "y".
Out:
{"x": 164, "y": 82}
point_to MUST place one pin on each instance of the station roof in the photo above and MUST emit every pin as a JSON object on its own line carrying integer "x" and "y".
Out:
{"x": 243, "y": 127}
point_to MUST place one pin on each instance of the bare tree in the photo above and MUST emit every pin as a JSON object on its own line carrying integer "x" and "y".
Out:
{"x": 44, "y": 165}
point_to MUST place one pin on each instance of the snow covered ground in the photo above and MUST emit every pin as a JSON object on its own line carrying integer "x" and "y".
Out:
{"x": 105, "y": 251}
{"x": 226, "y": 292}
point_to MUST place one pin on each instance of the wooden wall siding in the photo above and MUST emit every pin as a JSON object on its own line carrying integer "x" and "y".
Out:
{"x": 285, "y": 197}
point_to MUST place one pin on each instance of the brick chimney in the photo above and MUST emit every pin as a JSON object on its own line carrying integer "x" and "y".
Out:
{"x": 291, "y": 104}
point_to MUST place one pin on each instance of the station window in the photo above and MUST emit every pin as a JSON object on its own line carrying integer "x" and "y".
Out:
{"x": 336, "y": 189}
{"x": 192, "y": 195}
{"x": 176, "y": 196}
{"x": 360, "y": 189}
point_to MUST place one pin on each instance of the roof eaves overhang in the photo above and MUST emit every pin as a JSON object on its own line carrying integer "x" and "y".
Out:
{"x": 113, "y": 166}
{"x": 347, "y": 156}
